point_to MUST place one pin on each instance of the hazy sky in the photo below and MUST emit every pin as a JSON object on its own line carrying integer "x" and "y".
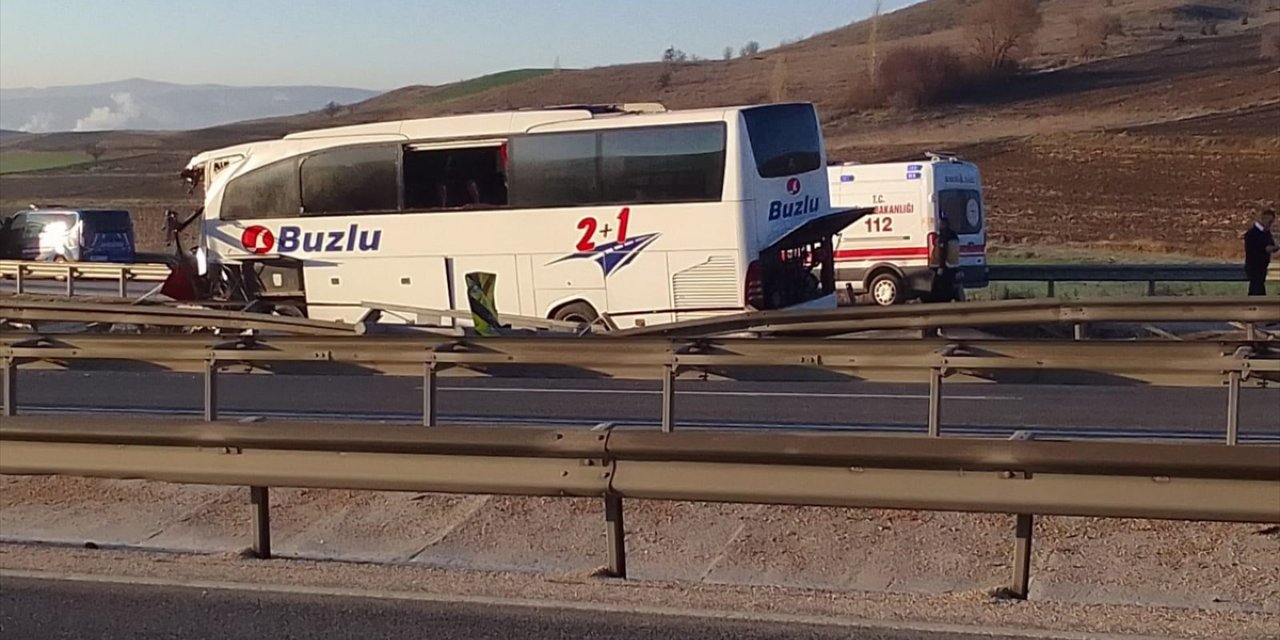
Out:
{"x": 378, "y": 44}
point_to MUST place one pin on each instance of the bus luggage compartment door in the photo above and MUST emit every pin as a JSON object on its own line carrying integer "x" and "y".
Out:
{"x": 336, "y": 290}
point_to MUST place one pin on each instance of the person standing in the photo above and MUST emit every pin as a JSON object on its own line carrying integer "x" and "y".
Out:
{"x": 1259, "y": 244}
{"x": 947, "y": 258}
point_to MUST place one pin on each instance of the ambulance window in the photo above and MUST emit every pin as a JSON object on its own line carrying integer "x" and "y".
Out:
{"x": 962, "y": 208}
{"x": 785, "y": 139}
{"x": 270, "y": 191}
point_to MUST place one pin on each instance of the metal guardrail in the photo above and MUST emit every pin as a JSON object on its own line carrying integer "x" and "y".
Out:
{"x": 1078, "y": 314}
{"x": 20, "y": 271}
{"x": 1200, "y": 363}
{"x": 36, "y": 311}
{"x": 1148, "y": 273}
{"x": 1020, "y": 477}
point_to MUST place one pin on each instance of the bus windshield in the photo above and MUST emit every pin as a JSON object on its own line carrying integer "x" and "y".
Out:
{"x": 785, "y": 139}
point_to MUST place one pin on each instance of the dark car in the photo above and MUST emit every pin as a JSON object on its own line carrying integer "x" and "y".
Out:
{"x": 68, "y": 235}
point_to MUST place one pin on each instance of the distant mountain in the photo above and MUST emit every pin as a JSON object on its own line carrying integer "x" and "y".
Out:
{"x": 147, "y": 104}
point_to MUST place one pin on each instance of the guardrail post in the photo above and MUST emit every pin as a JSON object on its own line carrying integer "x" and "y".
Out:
{"x": 1151, "y": 288}
{"x": 10, "y": 387}
{"x": 210, "y": 390}
{"x": 1079, "y": 331}
{"x": 1023, "y": 529}
{"x": 260, "y": 499}
{"x": 616, "y": 533}
{"x": 71, "y": 280}
{"x": 17, "y": 278}
{"x": 429, "y": 379}
{"x": 668, "y": 397}
{"x": 1051, "y": 288}
{"x": 935, "y": 402}
{"x": 1233, "y": 407}
{"x": 1250, "y": 331}
{"x": 124, "y": 282}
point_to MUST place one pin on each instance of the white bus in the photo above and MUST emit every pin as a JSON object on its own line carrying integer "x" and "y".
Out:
{"x": 645, "y": 214}
{"x": 887, "y": 255}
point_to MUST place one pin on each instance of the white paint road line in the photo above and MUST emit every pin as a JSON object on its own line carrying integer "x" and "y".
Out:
{"x": 731, "y": 394}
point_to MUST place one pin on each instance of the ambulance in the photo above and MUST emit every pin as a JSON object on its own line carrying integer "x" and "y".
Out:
{"x": 887, "y": 256}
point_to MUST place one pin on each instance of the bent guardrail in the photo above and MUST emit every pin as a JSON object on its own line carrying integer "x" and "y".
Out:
{"x": 1019, "y": 477}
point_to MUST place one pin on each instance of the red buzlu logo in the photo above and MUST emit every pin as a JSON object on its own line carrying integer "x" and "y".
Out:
{"x": 793, "y": 186}
{"x": 258, "y": 239}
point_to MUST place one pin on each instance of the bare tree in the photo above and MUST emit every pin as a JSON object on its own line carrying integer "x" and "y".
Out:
{"x": 1093, "y": 32}
{"x": 728, "y": 53}
{"x": 673, "y": 56}
{"x": 1001, "y": 29}
{"x": 664, "y": 78}
{"x": 874, "y": 40}
{"x": 555, "y": 68}
{"x": 750, "y": 49}
{"x": 95, "y": 151}
{"x": 332, "y": 109}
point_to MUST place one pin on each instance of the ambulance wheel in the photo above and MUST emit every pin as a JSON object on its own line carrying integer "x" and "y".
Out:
{"x": 885, "y": 289}
{"x": 579, "y": 312}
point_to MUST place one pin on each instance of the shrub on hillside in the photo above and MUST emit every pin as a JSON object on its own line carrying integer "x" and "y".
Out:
{"x": 1271, "y": 42}
{"x": 1001, "y": 30}
{"x": 915, "y": 76}
{"x": 1093, "y": 32}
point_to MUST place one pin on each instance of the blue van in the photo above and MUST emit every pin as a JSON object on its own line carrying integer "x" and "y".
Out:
{"x": 69, "y": 235}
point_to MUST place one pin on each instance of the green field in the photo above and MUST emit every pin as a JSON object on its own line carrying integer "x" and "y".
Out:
{"x": 485, "y": 83}
{"x": 17, "y": 161}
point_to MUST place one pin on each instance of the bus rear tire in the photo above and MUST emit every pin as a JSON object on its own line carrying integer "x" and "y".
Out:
{"x": 579, "y": 312}
{"x": 885, "y": 289}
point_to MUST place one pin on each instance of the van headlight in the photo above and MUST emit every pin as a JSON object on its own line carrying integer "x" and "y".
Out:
{"x": 202, "y": 261}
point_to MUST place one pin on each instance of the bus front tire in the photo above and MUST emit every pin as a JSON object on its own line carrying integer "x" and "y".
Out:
{"x": 885, "y": 289}
{"x": 578, "y": 312}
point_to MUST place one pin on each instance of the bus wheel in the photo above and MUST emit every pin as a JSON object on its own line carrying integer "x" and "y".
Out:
{"x": 579, "y": 312}
{"x": 886, "y": 289}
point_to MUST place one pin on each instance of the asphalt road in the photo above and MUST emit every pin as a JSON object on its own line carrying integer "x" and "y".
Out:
{"x": 968, "y": 409}
{"x": 65, "y": 609}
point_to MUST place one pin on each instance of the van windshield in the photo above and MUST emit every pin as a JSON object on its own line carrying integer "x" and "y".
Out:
{"x": 106, "y": 221}
{"x": 785, "y": 139}
{"x": 962, "y": 208}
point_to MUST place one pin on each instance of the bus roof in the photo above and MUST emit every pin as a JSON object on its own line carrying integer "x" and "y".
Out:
{"x": 480, "y": 125}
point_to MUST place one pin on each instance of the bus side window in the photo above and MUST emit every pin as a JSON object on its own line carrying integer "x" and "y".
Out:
{"x": 270, "y": 191}
{"x": 473, "y": 178}
{"x": 349, "y": 180}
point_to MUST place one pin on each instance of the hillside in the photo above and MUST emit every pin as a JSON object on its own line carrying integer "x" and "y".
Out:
{"x": 1168, "y": 121}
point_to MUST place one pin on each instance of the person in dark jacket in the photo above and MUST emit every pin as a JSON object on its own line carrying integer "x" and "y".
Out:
{"x": 1259, "y": 244}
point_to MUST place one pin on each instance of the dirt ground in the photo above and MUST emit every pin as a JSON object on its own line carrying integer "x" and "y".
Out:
{"x": 1167, "y": 144}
